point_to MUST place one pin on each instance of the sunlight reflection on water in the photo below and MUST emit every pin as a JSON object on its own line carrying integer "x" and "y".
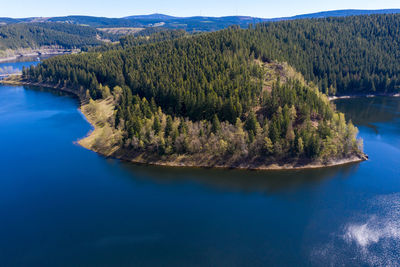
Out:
{"x": 372, "y": 238}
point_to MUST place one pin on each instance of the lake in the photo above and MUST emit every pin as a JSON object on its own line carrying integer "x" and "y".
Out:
{"x": 62, "y": 205}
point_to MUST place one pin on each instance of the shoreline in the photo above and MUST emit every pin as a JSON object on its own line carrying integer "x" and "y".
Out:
{"x": 137, "y": 160}
{"x": 272, "y": 167}
{"x": 37, "y": 53}
{"x": 333, "y": 98}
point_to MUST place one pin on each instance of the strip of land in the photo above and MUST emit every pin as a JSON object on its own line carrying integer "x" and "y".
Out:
{"x": 10, "y": 55}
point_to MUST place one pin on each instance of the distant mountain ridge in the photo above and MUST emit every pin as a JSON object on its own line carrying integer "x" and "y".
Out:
{"x": 155, "y": 16}
{"x": 341, "y": 13}
{"x": 322, "y": 14}
{"x": 195, "y": 23}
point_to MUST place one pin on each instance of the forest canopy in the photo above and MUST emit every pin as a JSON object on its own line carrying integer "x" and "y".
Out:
{"x": 36, "y": 35}
{"x": 226, "y": 96}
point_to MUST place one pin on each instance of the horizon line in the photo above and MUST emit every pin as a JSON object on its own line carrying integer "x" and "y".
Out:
{"x": 201, "y": 16}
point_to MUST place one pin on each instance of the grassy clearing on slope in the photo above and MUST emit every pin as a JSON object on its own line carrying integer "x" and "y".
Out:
{"x": 121, "y": 30}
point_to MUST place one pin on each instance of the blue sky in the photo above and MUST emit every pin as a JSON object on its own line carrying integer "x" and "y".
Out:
{"x": 121, "y": 8}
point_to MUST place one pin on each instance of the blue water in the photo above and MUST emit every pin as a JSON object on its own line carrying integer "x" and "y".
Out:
{"x": 14, "y": 66}
{"x": 62, "y": 205}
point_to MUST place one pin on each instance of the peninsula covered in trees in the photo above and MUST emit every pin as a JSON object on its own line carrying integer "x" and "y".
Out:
{"x": 226, "y": 98}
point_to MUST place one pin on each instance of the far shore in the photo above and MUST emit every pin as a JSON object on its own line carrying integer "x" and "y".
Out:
{"x": 333, "y": 98}
{"x": 139, "y": 159}
{"x": 36, "y": 53}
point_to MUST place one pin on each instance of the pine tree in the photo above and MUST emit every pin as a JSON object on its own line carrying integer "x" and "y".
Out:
{"x": 216, "y": 125}
{"x": 168, "y": 126}
{"x": 156, "y": 124}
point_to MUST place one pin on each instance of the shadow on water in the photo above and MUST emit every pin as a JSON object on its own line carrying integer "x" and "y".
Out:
{"x": 369, "y": 111}
{"x": 241, "y": 180}
{"x": 50, "y": 90}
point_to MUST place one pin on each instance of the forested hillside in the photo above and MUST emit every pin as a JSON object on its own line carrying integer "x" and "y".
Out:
{"x": 351, "y": 55}
{"x": 341, "y": 55}
{"x": 35, "y": 35}
{"x": 359, "y": 54}
{"x": 143, "y": 37}
{"x": 212, "y": 99}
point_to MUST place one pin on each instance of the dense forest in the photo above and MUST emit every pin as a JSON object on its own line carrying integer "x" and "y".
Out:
{"x": 146, "y": 36}
{"x": 350, "y": 55}
{"x": 222, "y": 95}
{"x": 35, "y": 35}
{"x": 347, "y": 55}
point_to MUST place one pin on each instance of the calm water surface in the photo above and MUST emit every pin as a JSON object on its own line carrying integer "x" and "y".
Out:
{"x": 62, "y": 205}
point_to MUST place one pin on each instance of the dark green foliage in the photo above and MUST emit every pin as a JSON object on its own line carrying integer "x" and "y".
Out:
{"x": 35, "y": 35}
{"x": 194, "y": 77}
{"x": 146, "y": 36}
{"x": 168, "y": 126}
{"x": 251, "y": 122}
{"x": 156, "y": 125}
{"x": 358, "y": 54}
{"x": 216, "y": 125}
{"x": 149, "y": 36}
